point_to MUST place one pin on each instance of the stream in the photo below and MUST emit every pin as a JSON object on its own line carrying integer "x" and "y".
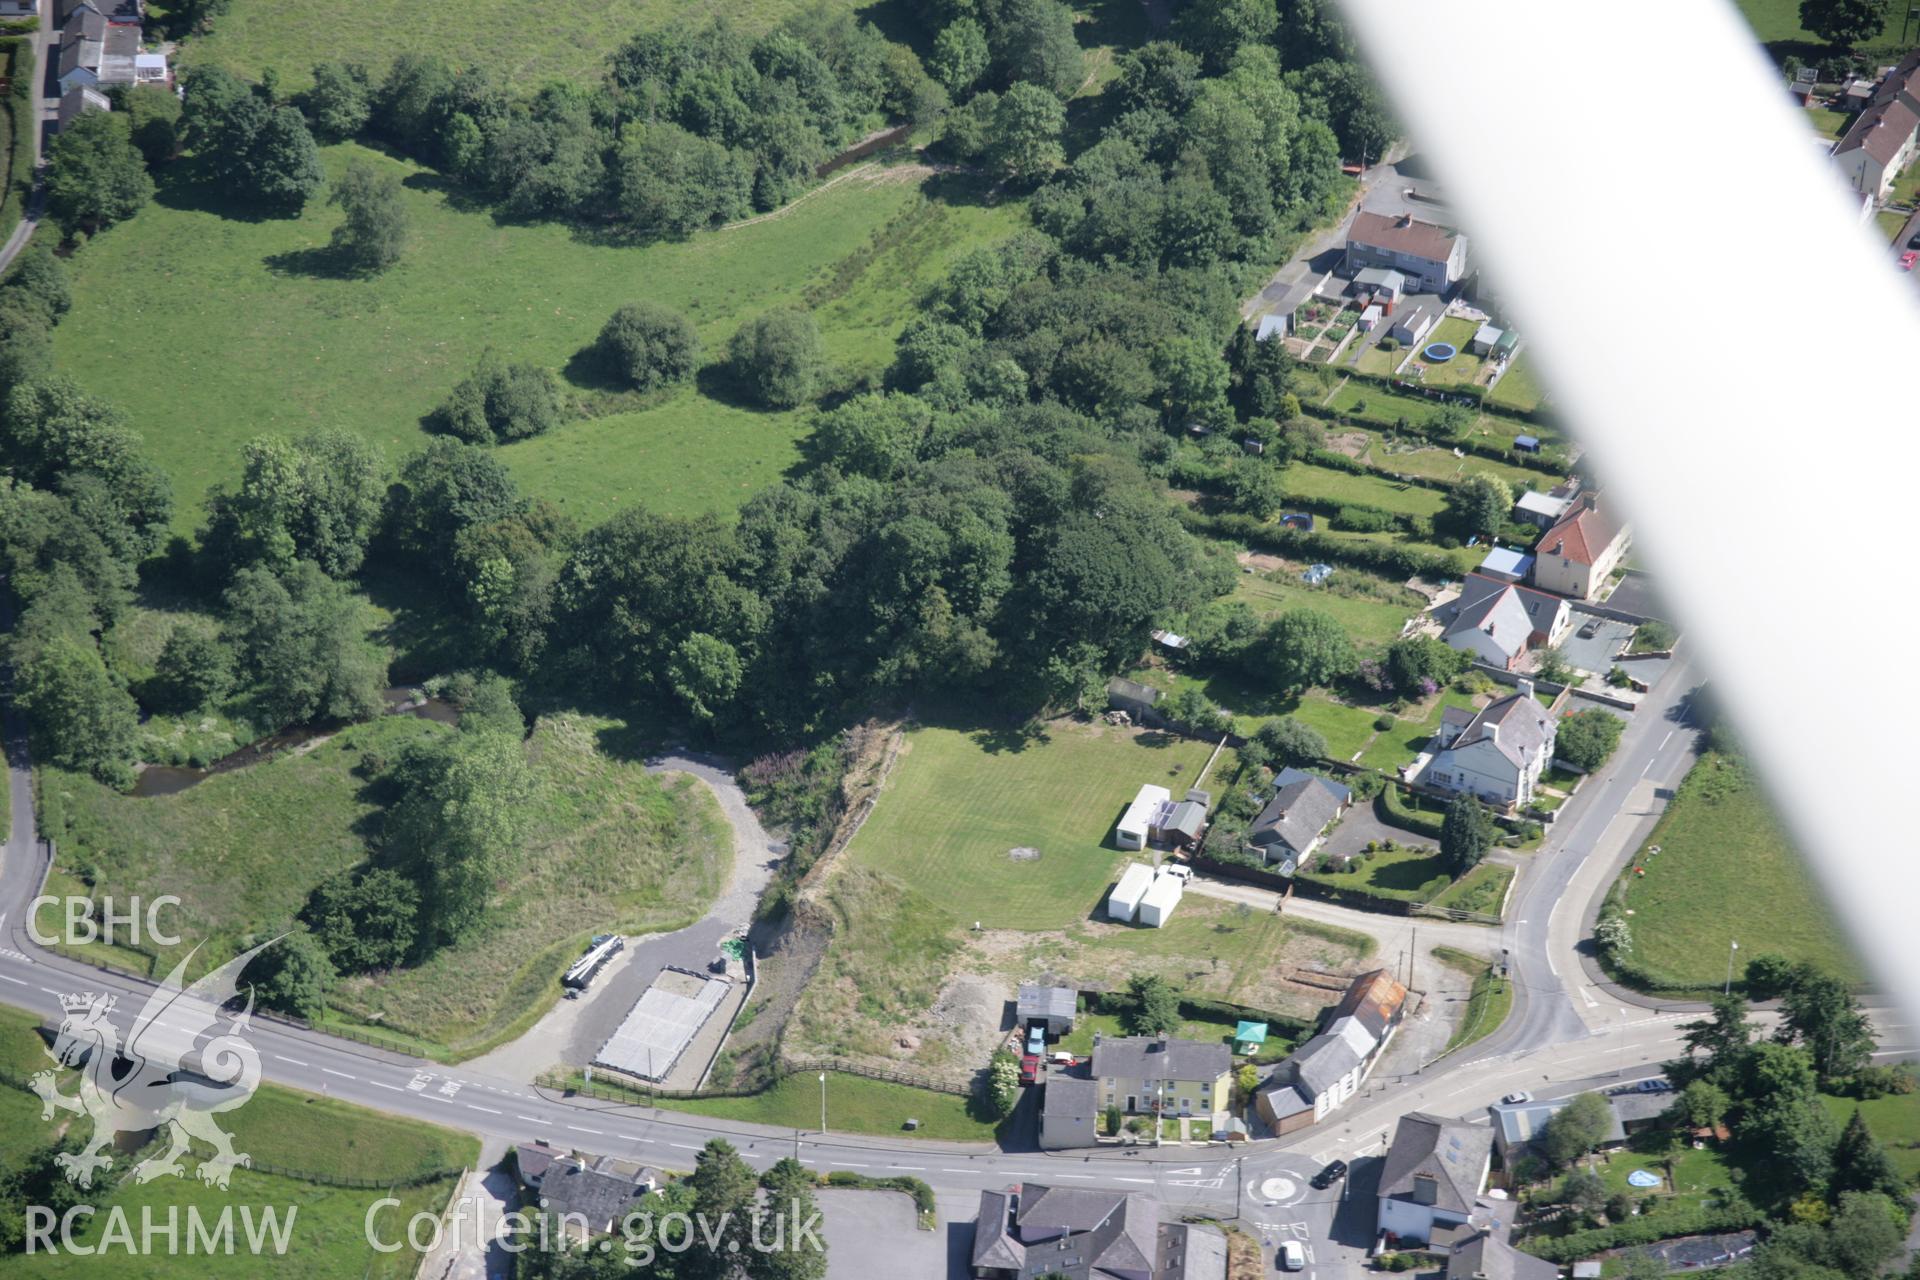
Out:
{"x": 169, "y": 779}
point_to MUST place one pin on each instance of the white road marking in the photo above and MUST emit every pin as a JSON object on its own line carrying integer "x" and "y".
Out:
{"x": 848, "y": 1164}
{"x": 384, "y": 1085}
{"x": 1147, "y": 1181}
{"x": 331, "y": 1072}
{"x": 919, "y": 1167}
{"x": 50, "y": 991}
{"x": 489, "y": 1110}
{"x": 595, "y": 1132}
{"x": 295, "y": 1061}
{"x": 683, "y": 1146}
{"x": 959, "y": 1171}
{"x": 18, "y": 982}
{"x": 1077, "y": 1177}
{"x": 529, "y": 1119}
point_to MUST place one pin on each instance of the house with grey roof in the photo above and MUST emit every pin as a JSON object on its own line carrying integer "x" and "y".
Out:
{"x": 1498, "y": 754}
{"x": 1069, "y": 1101}
{"x": 1164, "y": 1075}
{"x": 1432, "y": 1176}
{"x": 1037, "y": 1230}
{"x": 1517, "y": 1126}
{"x": 1494, "y": 629}
{"x": 1053, "y": 1006}
{"x": 1548, "y": 616}
{"x": 1329, "y": 1069}
{"x": 1287, "y": 831}
{"x": 584, "y": 1199}
{"x": 1486, "y": 1255}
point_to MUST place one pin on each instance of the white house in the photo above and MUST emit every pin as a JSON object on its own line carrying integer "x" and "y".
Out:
{"x": 1136, "y": 824}
{"x": 1329, "y": 1069}
{"x": 1495, "y": 629}
{"x": 1883, "y": 138}
{"x": 1161, "y": 897}
{"x": 1497, "y": 754}
{"x": 1432, "y": 1176}
{"x": 1134, "y": 882}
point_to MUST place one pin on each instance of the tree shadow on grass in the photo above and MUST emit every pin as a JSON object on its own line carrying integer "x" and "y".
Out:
{"x": 1011, "y": 738}
{"x": 188, "y": 185}
{"x": 460, "y": 199}
{"x": 320, "y": 262}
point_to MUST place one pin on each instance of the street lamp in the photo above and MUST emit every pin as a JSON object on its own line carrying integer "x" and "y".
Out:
{"x": 1732, "y": 947}
{"x": 823, "y": 1103}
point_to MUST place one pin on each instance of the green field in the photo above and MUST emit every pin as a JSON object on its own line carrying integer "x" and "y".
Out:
{"x": 855, "y": 1104}
{"x": 1777, "y": 23}
{"x": 1399, "y": 745}
{"x": 1371, "y": 621}
{"x": 297, "y": 1143}
{"x": 611, "y": 847}
{"x": 183, "y": 307}
{"x": 1464, "y": 368}
{"x": 1313, "y": 481}
{"x": 1251, "y": 702}
{"x": 1404, "y": 875}
{"x": 1412, "y": 457}
{"x": 569, "y": 40}
{"x": 1726, "y": 871}
{"x": 1482, "y": 889}
{"x": 959, "y": 801}
{"x": 1894, "y": 1120}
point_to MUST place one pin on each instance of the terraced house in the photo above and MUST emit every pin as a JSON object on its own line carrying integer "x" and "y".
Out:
{"x": 1164, "y": 1074}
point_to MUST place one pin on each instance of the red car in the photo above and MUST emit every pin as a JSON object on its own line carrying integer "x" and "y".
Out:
{"x": 1907, "y": 260}
{"x": 1030, "y": 1068}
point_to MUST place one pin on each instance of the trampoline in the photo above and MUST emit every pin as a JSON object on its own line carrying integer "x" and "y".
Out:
{"x": 1440, "y": 352}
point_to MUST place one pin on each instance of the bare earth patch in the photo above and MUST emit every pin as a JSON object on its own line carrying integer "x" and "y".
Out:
{"x": 1024, "y": 853}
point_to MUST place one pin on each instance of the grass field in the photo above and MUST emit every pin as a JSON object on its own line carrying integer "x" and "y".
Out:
{"x": 855, "y": 1104}
{"x": 1488, "y": 1002}
{"x": 960, "y": 800}
{"x": 1777, "y": 23}
{"x": 612, "y": 847}
{"x": 1251, "y": 703}
{"x": 1464, "y": 368}
{"x": 1371, "y": 621}
{"x": 1481, "y": 889}
{"x": 1410, "y": 457}
{"x": 1894, "y": 1120}
{"x": 1343, "y": 486}
{"x": 1828, "y": 122}
{"x": 570, "y": 40}
{"x": 306, "y": 1139}
{"x": 1889, "y": 222}
{"x": 1401, "y": 744}
{"x": 1726, "y": 871}
{"x": 1405, "y": 875}
{"x": 252, "y": 325}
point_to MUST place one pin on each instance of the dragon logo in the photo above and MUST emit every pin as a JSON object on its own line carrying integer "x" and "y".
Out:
{"x": 163, "y": 1077}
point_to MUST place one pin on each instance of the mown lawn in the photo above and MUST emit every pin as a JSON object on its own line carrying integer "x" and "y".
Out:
{"x": 1399, "y": 745}
{"x": 570, "y": 40}
{"x": 1406, "y": 875}
{"x": 1410, "y": 457}
{"x": 1370, "y": 621}
{"x": 1778, "y": 21}
{"x": 960, "y": 800}
{"x": 1481, "y": 889}
{"x": 183, "y": 307}
{"x": 855, "y": 1104}
{"x": 1726, "y": 871}
{"x": 1308, "y": 480}
{"x": 1464, "y": 367}
{"x": 1894, "y": 1120}
{"x": 612, "y": 847}
{"x": 1519, "y": 387}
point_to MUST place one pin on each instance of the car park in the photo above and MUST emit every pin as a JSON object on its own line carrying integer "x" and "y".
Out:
{"x": 1329, "y": 1175}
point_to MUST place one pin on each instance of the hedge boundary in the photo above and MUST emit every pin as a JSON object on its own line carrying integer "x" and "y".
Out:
{"x": 22, "y": 67}
{"x": 1302, "y": 544}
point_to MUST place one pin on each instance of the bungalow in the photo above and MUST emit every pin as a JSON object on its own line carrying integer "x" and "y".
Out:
{"x": 1034, "y": 1230}
{"x": 1576, "y": 555}
{"x": 1429, "y": 257}
{"x": 1291, "y": 826}
{"x": 1497, "y": 754}
{"x": 1550, "y": 616}
{"x": 1163, "y": 1074}
{"x": 584, "y": 1200}
{"x": 1329, "y": 1069}
{"x": 1432, "y": 1176}
{"x": 1051, "y": 1006}
{"x": 1518, "y": 1125}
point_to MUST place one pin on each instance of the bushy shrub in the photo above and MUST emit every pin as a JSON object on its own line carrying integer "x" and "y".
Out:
{"x": 648, "y": 346}
{"x": 500, "y": 402}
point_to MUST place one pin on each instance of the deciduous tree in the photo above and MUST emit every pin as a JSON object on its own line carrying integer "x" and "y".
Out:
{"x": 372, "y": 234}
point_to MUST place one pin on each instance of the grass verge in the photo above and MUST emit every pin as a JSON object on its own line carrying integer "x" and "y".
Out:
{"x": 1488, "y": 1003}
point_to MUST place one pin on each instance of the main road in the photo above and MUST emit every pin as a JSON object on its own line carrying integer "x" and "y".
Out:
{"x": 1565, "y": 1031}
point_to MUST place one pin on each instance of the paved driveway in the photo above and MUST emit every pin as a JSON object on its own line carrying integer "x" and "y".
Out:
{"x": 873, "y": 1233}
{"x": 1361, "y": 824}
{"x": 1635, "y": 594}
{"x": 1595, "y": 653}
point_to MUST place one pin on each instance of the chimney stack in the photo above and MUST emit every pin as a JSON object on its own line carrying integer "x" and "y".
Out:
{"x": 1525, "y": 687}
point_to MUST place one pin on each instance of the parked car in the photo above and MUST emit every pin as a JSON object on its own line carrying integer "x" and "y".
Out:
{"x": 1591, "y": 629}
{"x": 1907, "y": 260}
{"x": 1178, "y": 870}
{"x": 1330, "y": 1175}
{"x": 1516, "y": 1098}
{"x": 1061, "y": 1059}
{"x": 1036, "y": 1039}
{"x": 1655, "y": 1085}
{"x": 1030, "y": 1069}
{"x": 1292, "y": 1256}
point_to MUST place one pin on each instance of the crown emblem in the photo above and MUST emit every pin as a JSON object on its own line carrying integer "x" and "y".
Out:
{"x": 80, "y": 1002}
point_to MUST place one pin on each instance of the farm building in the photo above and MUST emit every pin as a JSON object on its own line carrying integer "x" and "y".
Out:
{"x": 1124, "y": 901}
{"x": 1136, "y": 824}
{"x": 1053, "y": 1006}
{"x": 1162, "y": 896}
